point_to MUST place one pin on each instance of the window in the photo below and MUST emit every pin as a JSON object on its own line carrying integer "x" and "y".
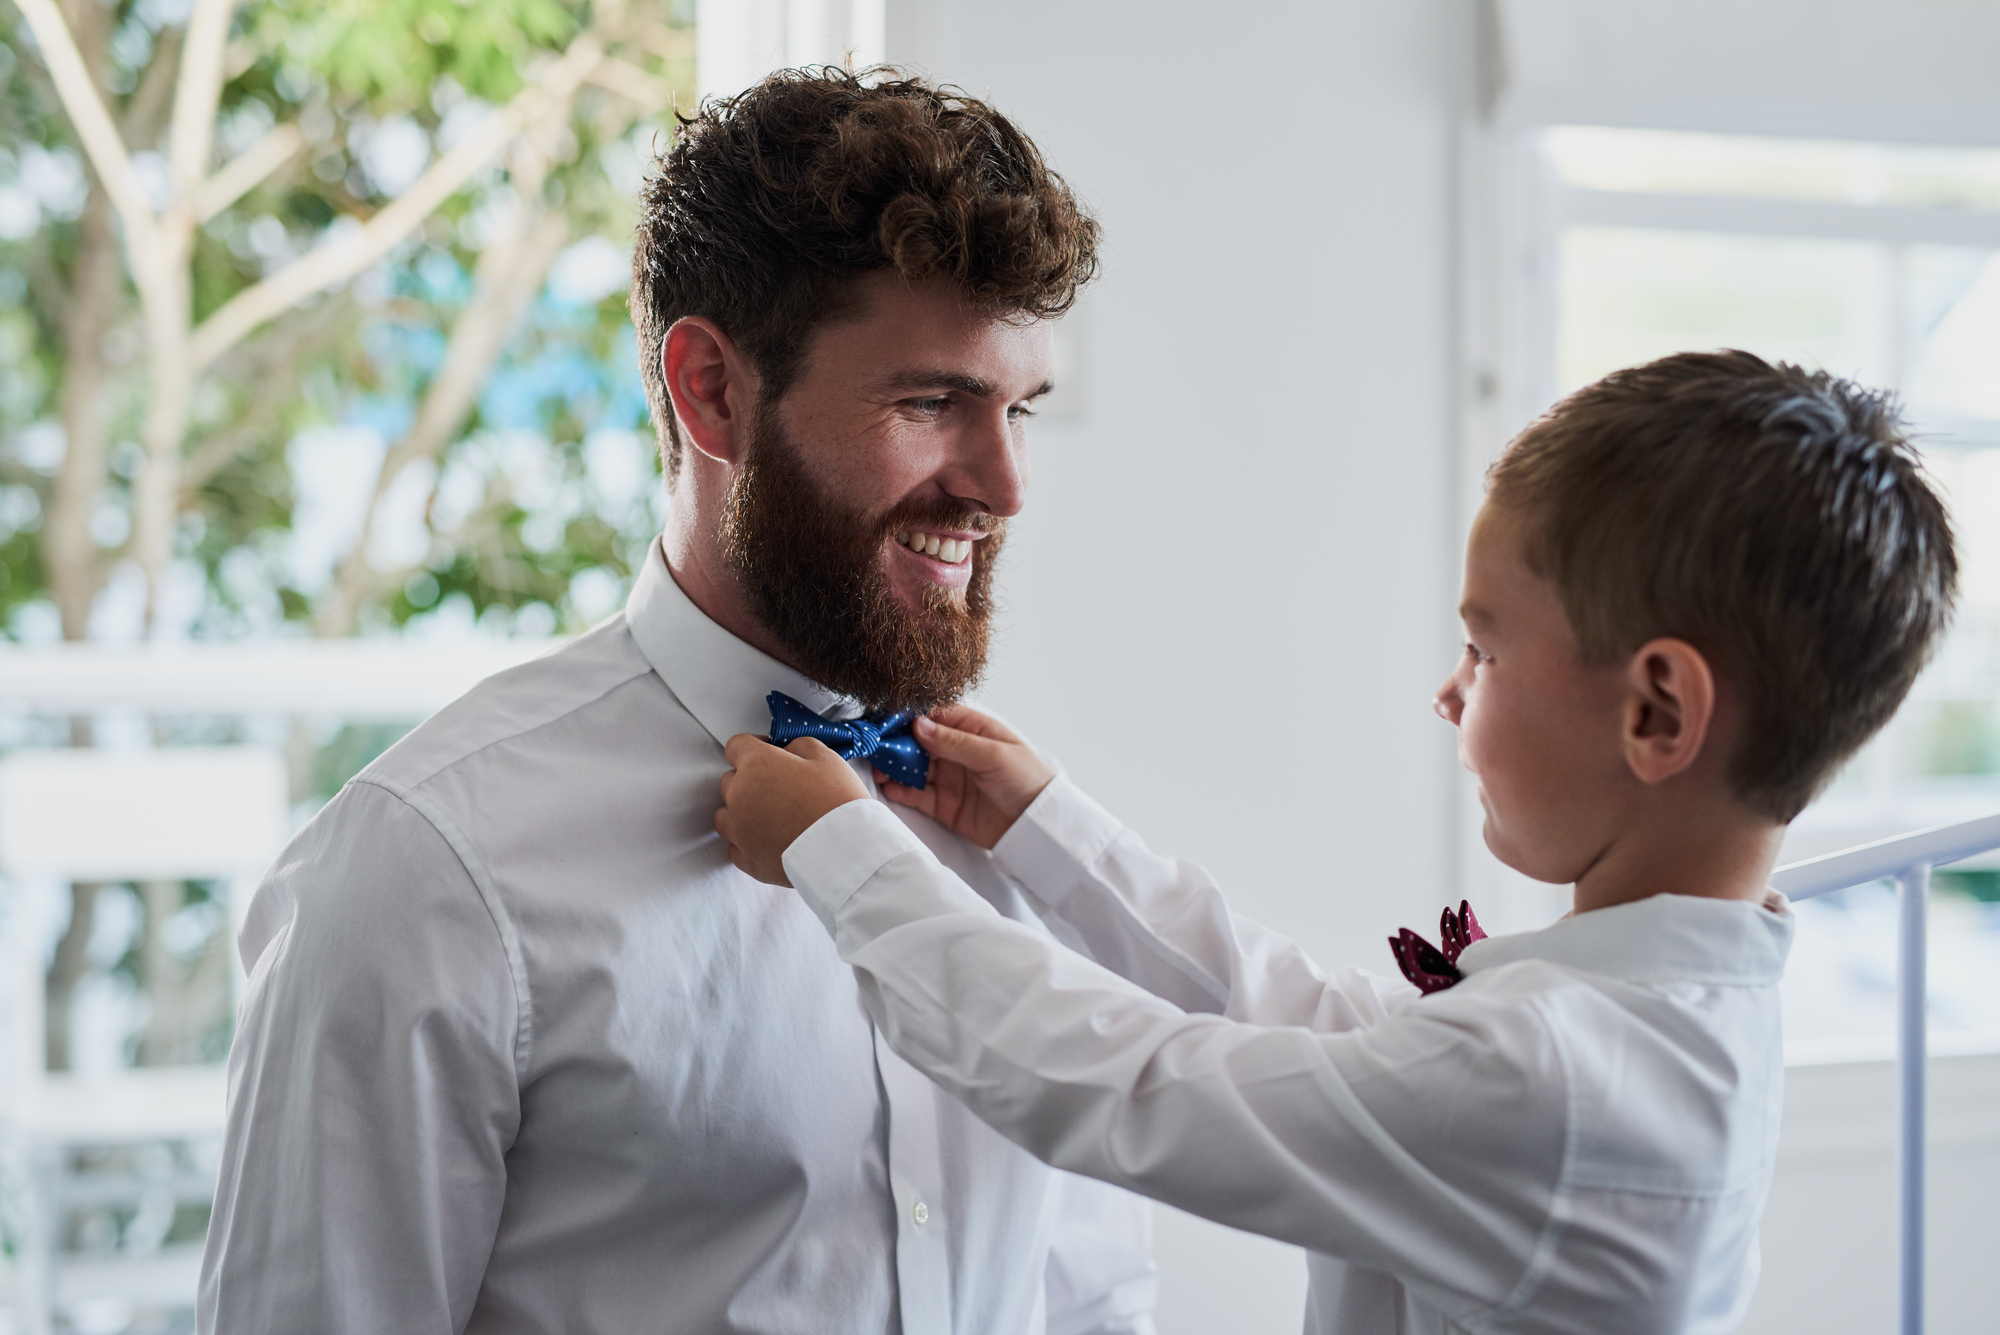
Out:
{"x": 1876, "y": 261}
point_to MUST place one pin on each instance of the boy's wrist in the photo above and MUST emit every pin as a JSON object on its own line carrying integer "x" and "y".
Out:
{"x": 1055, "y": 839}
{"x": 837, "y": 854}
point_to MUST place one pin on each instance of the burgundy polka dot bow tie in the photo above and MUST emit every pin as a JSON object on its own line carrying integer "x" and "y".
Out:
{"x": 1431, "y": 969}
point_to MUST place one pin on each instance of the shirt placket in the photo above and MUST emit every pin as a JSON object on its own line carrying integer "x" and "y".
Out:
{"x": 916, "y": 1179}
{"x": 923, "y": 1275}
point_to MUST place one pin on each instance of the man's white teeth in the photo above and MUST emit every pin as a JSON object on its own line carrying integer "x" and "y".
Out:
{"x": 948, "y": 550}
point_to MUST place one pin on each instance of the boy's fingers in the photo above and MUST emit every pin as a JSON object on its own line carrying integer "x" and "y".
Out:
{"x": 810, "y": 748}
{"x": 967, "y": 719}
{"x": 745, "y": 748}
{"x": 968, "y": 749}
{"x": 923, "y": 800}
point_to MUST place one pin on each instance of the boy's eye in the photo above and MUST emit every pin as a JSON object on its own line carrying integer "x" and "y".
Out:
{"x": 1472, "y": 653}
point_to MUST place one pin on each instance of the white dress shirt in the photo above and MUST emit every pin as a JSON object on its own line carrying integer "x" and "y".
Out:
{"x": 521, "y": 1052}
{"x": 1577, "y": 1137}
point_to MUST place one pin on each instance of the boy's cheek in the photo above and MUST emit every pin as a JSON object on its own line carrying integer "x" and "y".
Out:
{"x": 1476, "y": 740}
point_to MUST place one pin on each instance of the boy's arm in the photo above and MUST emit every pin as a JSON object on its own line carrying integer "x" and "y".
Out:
{"x": 1159, "y": 922}
{"x": 372, "y": 1087}
{"x": 1164, "y": 924}
{"x": 1428, "y": 1145}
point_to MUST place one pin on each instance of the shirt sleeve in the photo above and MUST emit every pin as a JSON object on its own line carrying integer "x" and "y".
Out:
{"x": 1426, "y": 1145}
{"x": 1163, "y": 924}
{"x": 372, "y": 1087}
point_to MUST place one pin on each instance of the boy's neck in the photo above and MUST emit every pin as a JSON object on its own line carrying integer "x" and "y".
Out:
{"x": 1717, "y": 853}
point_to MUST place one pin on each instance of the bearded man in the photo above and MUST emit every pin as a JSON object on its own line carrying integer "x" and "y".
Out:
{"x": 520, "y": 1051}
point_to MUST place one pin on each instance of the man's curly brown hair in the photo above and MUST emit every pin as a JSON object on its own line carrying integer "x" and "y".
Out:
{"x": 771, "y": 203}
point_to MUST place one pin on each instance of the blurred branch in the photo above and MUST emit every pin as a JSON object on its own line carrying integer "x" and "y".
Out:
{"x": 198, "y": 92}
{"x": 510, "y": 272}
{"x": 629, "y": 81}
{"x": 140, "y": 123}
{"x": 101, "y": 143}
{"x": 47, "y": 285}
{"x": 66, "y": 967}
{"x": 70, "y": 555}
{"x": 245, "y": 172}
{"x": 242, "y": 53}
{"x": 341, "y": 259}
{"x": 273, "y": 373}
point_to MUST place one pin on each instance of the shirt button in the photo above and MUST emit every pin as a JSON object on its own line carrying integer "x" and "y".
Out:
{"x": 921, "y": 1213}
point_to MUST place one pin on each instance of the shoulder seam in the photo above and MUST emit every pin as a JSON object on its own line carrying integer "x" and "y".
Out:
{"x": 399, "y": 787}
{"x": 503, "y": 922}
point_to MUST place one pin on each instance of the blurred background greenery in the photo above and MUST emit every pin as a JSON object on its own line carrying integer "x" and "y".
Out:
{"x": 453, "y": 439}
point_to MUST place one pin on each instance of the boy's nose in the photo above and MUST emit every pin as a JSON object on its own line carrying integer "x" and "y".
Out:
{"x": 1447, "y": 702}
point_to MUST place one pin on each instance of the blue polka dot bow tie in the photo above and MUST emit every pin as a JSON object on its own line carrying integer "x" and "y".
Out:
{"x": 885, "y": 741}
{"x": 1431, "y": 969}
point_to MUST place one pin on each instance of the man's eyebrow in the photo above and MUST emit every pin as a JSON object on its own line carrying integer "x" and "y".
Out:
{"x": 958, "y": 380}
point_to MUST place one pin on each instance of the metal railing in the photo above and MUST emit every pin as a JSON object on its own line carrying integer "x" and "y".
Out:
{"x": 1907, "y": 860}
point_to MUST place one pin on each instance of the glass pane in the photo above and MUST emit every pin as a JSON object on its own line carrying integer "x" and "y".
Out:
{"x": 1951, "y": 314}
{"x": 1970, "y": 480}
{"x": 1627, "y": 295}
{"x": 1830, "y": 171}
{"x": 1840, "y": 981}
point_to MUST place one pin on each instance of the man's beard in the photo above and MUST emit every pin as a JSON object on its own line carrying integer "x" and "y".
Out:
{"x": 815, "y": 576}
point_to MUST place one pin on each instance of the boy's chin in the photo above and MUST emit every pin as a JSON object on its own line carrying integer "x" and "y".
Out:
{"x": 1534, "y": 864}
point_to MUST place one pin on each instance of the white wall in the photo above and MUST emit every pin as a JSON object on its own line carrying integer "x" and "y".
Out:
{"x": 1231, "y": 596}
{"x": 1830, "y": 1230}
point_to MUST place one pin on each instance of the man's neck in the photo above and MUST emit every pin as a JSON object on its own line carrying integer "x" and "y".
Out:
{"x": 695, "y": 560}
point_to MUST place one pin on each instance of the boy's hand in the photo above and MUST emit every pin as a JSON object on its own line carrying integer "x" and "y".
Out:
{"x": 982, "y": 775}
{"x": 774, "y": 795}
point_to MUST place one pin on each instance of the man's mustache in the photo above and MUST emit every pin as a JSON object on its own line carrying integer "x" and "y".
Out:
{"x": 942, "y": 518}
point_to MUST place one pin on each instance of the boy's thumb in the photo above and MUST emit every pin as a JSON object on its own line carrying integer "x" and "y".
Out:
{"x": 964, "y": 748}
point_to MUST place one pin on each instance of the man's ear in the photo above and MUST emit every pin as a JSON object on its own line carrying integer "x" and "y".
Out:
{"x": 1669, "y": 707}
{"x": 713, "y": 388}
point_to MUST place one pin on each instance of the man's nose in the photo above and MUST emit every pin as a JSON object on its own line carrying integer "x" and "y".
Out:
{"x": 989, "y": 467}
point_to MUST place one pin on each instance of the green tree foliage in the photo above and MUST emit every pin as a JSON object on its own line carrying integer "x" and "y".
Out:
{"x": 527, "y": 510}
{"x": 392, "y": 52}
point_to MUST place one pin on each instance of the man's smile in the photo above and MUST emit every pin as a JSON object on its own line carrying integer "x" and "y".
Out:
{"x": 940, "y": 556}
{"x": 946, "y": 548}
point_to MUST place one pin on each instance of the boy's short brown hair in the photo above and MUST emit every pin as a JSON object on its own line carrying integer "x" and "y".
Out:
{"x": 1777, "y": 519}
{"x": 771, "y": 203}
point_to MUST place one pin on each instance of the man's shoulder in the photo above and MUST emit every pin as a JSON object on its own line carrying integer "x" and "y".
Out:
{"x": 588, "y": 673}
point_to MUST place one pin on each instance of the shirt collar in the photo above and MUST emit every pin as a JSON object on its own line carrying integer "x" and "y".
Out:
{"x": 1667, "y": 938}
{"x": 720, "y": 679}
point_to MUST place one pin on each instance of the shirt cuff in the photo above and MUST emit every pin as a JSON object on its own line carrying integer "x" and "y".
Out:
{"x": 841, "y": 850}
{"x": 1055, "y": 840}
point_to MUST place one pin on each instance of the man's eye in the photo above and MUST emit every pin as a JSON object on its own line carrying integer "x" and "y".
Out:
{"x": 1019, "y": 412}
{"x": 932, "y": 406}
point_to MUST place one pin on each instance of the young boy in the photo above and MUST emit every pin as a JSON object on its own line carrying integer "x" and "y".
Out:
{"x": 1694, "y": 589}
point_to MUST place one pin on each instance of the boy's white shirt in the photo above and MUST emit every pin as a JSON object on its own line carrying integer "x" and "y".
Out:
{"x": 1578, "y": 1137}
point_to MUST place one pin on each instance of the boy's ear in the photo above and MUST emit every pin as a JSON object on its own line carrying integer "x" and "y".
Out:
{"x": 714, "y": 391}
{"x": 1669, "y": 707}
